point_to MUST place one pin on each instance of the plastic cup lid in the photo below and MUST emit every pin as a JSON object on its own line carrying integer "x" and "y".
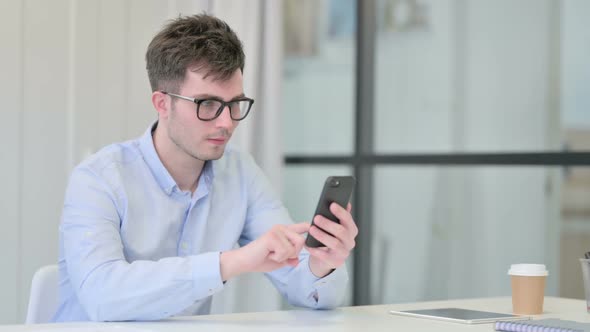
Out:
{"x": 532, "y": 270}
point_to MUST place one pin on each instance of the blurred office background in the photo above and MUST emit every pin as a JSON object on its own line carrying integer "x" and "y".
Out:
{"x": 445, "y": 77}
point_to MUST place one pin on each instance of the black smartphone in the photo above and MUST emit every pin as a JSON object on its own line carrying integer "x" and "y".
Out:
{"x": 337, "y": 189}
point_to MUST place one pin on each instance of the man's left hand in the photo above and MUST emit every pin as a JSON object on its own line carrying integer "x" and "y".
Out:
{"x": 337, "y": 237}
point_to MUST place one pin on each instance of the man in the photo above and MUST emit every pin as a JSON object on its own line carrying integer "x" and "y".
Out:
{"x": 149, "y": 226}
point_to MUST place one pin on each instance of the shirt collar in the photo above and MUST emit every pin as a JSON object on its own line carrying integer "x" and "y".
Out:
{"x": 161, "y": 174}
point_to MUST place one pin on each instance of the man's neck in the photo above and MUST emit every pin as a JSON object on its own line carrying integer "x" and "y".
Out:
{"x": 184, "y": 169}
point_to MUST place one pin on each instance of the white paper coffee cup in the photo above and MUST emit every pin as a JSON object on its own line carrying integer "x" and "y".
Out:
{"x": 528, "y": 288}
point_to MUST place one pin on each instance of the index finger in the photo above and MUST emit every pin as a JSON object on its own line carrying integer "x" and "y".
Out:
{"x": 343, "y": 216}
{"x": 300, "y": 228}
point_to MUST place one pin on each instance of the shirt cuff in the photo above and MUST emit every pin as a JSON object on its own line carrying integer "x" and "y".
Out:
{"x": 307, "y": 290}
{"x": 206, "y": 274}
{"x": 331, "y": 288}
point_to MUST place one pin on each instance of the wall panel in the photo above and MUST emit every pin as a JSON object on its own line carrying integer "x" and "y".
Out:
{"x": 10, "y": 138}
{"x": 44, "y": 144}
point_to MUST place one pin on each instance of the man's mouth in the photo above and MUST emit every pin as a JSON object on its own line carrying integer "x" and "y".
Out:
{"x": 217, "y": 140}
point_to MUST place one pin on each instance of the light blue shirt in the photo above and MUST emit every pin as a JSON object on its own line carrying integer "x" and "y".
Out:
{"x": 133, "y": 246}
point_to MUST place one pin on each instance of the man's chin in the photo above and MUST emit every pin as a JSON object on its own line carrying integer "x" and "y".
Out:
{"x": 216, "y": 157}
{"x": 213, "y": 155}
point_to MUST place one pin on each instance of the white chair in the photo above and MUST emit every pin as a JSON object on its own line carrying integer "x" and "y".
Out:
{"x": 44, "y": 291}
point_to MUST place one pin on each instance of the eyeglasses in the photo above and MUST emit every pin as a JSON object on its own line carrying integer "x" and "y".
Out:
{"x": 210, "y": 108}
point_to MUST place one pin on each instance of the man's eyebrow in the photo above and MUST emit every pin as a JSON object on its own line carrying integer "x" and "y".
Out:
{"x": 206, "y": 96}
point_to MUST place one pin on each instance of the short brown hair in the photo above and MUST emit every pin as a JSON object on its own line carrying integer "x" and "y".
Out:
{"x": 201, "y": 40}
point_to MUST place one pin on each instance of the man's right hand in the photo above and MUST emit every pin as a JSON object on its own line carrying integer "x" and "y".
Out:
{"x": 277, "y": 248}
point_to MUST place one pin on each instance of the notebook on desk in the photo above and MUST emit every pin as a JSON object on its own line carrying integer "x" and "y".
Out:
{"x": 458, "y": 315}
{"x": 554, "y": 325}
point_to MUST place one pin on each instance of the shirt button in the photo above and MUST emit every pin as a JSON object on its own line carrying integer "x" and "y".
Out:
{"x": 184, "y": 245}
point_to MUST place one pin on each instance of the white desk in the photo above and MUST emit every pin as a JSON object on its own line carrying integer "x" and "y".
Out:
{"x": 364, "y": 318}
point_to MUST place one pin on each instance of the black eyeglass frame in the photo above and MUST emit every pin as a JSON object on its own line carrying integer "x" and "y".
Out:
{"x": 223, "y": 103}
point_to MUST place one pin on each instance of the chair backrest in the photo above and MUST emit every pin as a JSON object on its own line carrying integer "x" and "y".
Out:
{"x": 43, "y": 300}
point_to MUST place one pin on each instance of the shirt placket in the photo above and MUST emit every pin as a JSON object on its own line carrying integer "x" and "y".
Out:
{"x": 192, "y": 203}
{"x": 183, "y": 247}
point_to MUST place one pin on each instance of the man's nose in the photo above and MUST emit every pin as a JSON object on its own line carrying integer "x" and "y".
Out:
{"x": 224, "y": 119}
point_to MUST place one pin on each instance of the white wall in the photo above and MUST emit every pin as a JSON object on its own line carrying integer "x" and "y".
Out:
{"x": 10, "y": 174}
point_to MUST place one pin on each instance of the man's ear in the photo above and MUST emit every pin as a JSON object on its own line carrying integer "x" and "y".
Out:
{"x": 161, "y": 103}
